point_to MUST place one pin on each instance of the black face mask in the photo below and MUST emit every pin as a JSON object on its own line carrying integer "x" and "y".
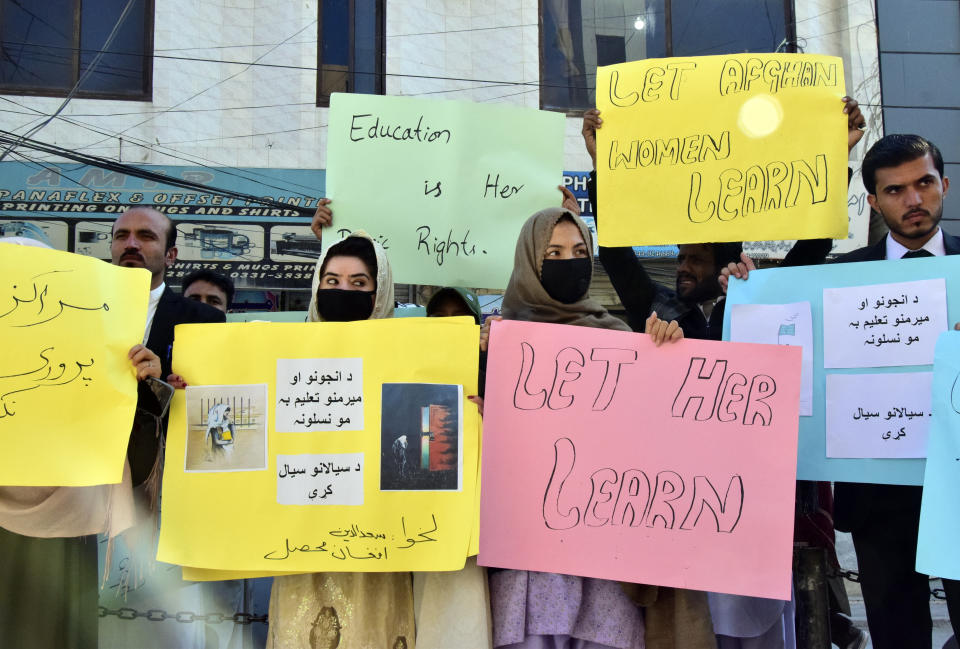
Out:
{"x": 340, "y": 305}
{"x": 566, "y": 280}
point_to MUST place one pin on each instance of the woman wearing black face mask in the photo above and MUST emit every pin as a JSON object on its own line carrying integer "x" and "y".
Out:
{"x": 552, "y": 269}
{"x": 352, "y": 281}
{"x": 350, "y": 610}
{"x": 553, "y": 265}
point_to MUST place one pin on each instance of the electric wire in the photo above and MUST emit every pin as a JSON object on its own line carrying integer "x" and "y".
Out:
{"x": 86, "y": 75}
{"x": 7, "y": 137}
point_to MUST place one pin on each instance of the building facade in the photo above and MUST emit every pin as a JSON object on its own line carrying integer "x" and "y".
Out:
{"x": 234, "y": 93}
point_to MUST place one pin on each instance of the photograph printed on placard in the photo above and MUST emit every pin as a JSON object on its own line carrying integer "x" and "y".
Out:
{"x": 421, "y": 437}
{"x": 226, "y": 428}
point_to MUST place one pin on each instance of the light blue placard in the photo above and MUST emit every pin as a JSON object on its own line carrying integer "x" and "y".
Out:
{"x": 806, "y": 283}
{"x": 410, "y": 311}
{"x": 301, "y": 316}
{"x": 268, "y": 316}
{"x": 940, "y": 514}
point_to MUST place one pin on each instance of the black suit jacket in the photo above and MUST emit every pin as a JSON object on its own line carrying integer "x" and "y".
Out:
{"x": 172, "y": 310}
{"x": 856, "y": 503}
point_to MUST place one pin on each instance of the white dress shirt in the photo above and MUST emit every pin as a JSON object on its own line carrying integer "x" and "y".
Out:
{"x": 934, "y": 246}
{"x": 152, "y": 309}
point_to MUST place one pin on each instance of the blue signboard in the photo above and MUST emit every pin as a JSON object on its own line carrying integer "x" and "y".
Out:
{"x": 72, "y": 207}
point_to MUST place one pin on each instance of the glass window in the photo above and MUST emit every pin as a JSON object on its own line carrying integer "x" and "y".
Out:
{"x": 576, "y": 36}
{"x": 46, "y": 47}
{"x": 732, "y": 26}
{"x": 350, "y": 48}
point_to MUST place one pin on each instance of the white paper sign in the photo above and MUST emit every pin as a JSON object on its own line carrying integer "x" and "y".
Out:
{"x": 328, "y": 479}
{"x": 319, "y": 394}
{"x": 878, "y": 415}
{"x": 883, "y": 325}
{"x": 779, "y": 324}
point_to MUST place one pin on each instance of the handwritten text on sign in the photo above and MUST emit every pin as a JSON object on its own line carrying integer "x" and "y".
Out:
{"x": 766, "y": 160}
{"x": 66, "y": 325}
{"x": 417, "y": 173}
{"x": 596, "y": 442}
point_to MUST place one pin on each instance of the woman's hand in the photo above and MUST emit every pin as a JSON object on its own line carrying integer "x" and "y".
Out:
{"x": 662, "y": 331}
{"x": 176, "y": 381}
{"x": 477, "y": 400}
{"x": 145, "y": 362}
{"x": 485, "y": 331}
{"x": 570, "y": 202}
{"x": 322, "y": 218}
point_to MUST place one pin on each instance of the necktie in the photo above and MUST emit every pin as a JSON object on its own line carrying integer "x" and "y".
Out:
{"x": 913, "y": 254}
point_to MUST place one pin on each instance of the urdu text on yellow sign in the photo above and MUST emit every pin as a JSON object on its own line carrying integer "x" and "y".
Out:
{"x": 67, "y": 389}
{"x": 742, "y": 147}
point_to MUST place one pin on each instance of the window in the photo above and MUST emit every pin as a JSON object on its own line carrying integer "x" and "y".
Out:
{"x": 578, "y": 35}
{"x": 46, "y": 47}
{"x": 349, "y": 48}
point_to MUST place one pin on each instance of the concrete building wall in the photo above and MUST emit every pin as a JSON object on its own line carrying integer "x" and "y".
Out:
{"x": 920, "y": 73}
{"x": 265, "y": 115}
{"x": 207, "y": 108}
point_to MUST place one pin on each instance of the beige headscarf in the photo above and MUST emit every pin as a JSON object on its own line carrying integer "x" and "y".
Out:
{"x": 525, "y": 297}
{"x": 383, "y": 302}
{"x": 49, "y": 512}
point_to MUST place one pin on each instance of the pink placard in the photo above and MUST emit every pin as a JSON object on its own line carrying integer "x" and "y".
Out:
{"x": 604, "y": 456}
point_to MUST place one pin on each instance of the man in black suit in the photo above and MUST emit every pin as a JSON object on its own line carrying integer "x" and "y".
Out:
{"x": 904, "y": 178}
{"x": 146, "y": 238}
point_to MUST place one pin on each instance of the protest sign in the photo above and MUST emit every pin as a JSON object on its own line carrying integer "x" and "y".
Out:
{"x": 940, "y": 513}
{"x": 602, "y": 451}
{"x": 444, "y": 186}
{"x": 67, "y": 388}
{"x": 895, "y": 459}
{"x": 739, "y": 147}
{"x": 326, "y": 493}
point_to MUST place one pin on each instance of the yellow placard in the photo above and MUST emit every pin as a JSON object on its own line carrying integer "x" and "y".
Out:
{"x": 67, "y": 389}
{"x": 352, "y": 447}
{"x": 742, "y": 147}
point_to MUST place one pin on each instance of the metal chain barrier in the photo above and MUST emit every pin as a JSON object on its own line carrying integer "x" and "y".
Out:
{"x": 184, "y": 617}
{"x": 854, "y": 576}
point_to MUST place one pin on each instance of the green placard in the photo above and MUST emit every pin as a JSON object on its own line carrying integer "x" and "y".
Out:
{"x": 443, "y": 185}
